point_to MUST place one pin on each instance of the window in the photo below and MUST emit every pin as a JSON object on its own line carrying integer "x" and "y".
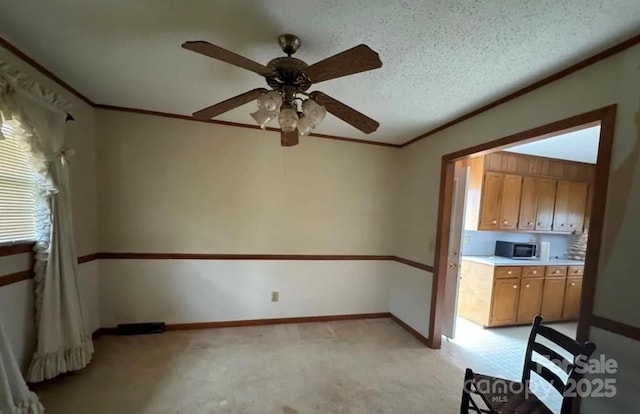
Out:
{"x": 17, "y": 190}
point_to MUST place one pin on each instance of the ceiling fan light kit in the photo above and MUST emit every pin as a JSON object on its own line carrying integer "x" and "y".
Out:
{"x": 269, "y": 104}
{"x": 288, "y": 119}
{"x": 289, "y": 78}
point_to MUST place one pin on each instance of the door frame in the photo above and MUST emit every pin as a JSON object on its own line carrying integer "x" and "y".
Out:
{"x": 606, "y": 117}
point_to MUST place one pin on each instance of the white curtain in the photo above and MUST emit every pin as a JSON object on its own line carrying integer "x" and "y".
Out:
{"x": 62, "y": 342}
{"x": 15, "y": 397}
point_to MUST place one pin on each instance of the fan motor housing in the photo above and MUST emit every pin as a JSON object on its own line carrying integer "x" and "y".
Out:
{"x": 288, "y": 71}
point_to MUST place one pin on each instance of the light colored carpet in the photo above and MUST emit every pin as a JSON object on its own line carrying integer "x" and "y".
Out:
{"x": 362, "y": 366}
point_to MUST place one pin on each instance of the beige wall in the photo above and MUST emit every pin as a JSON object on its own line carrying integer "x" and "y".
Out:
{"x": 171, "y": 185}
{"x": 615, "y": 80}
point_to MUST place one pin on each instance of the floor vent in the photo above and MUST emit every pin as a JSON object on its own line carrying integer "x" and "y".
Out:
{"x": 140, "y": 328}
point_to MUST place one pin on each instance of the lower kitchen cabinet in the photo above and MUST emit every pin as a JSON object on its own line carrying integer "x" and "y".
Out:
{"x": 505, "y": 301}
{"x": 509, "y": 295}
{"x": 553, "y": 298}
{"x": 530, "y": 301}
{"x": 572, "y": 294}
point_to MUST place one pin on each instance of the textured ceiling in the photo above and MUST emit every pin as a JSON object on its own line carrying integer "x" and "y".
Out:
{"x": 581, "y": 145}
{"x": 441, "y": 58}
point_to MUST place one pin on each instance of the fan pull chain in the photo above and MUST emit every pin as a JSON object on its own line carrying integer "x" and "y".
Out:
{"x": 284, "y": 161}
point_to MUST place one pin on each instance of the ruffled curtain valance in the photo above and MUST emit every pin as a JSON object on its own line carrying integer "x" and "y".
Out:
{"x": 38, "y": 119}
{"x": 27, "y": 84}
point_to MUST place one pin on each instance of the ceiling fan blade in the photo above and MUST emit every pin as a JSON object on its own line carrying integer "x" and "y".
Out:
{"x": 355, "y": 60}
{"x": 216, "y": 52}
{"x": 346, "y": 113}
{"x": 231, "y": 103}
{"x": 289, "y": 139}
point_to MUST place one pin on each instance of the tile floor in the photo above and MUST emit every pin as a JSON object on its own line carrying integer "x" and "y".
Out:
{"x": 361, "y": 366}
{"x": 498, "y": 352}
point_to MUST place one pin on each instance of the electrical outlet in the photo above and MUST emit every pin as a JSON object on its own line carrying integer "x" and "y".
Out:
{"x": 275, "y": 296}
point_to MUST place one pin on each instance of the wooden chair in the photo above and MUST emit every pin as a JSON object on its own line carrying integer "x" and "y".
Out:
{"x": 501, "y": 396}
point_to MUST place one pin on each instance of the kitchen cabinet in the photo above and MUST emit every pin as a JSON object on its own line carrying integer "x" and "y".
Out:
{"x": 505, "y": 301}
{"x": 546, "y": 188}
{"x": 517, "y": 192}
{"x": 587, "y": 214}
{"x": 491, "y": 203}
{"x": 533, "y": 271}
{"x": 537, "y": 203}
{"x": 553, "y": 298}
{"x": 572, "y": 295}
{"x": 500, "y": 205}
{"x": 510, "y": 203}
{"x": 530, "y": 301}
{"x": 556, "y": 271}
{"x": 578, "y": 194}
{"x": 528, "y": 204}
{"x": 499, "y": 295}
{"x": 570, "y": 206}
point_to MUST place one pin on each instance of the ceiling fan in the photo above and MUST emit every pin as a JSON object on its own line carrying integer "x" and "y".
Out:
{"x": 288, "y": 78}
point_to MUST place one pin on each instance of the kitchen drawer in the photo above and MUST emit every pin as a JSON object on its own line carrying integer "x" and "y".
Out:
{"x": 508, "y": 271}
{"x": 556, "y": 271}
{"x": 576, "y": 270}
{"x": 533, "y": 271}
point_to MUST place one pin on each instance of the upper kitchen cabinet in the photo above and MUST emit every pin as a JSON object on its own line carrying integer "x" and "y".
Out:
{"x": 537, "y": 204}
{"x": 570, "y": 206}
{"x": 491, "y": 205}
{"x": 500, "y": 202}
{"x": 510, "y": 202}
{"x": 526, "y": 193}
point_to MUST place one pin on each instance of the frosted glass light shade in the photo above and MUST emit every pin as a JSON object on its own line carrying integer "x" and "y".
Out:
{"x": 288, "y": 120}
{"x": 270, "y": 101}
{"x": 262, "y": 117}
{"x": 304, "y": 126}
{"x": 314, "y": 112}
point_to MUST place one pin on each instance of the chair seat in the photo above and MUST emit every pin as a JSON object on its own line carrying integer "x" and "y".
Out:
{"x": 508, "y": 397}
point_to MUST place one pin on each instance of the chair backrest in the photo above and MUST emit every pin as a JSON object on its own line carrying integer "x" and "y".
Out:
{"x": 580, "y": 352}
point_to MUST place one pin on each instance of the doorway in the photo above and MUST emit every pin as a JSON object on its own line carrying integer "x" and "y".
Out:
{"x": 449, "y": 259}
{"x": 518, "y": 191}
{"x": 519, "y": 233}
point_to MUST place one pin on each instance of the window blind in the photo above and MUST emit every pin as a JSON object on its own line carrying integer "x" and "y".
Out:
{"x": 17, "y": 191}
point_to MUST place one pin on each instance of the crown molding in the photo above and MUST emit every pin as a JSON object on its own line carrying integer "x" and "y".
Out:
{"x": 46, "y": 72}
{"x": 233, "y": 124}
{"x": 33, "y": 63}
{"x": 551, "y": 78}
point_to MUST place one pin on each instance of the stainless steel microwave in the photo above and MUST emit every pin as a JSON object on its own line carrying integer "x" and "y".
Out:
{"x": 514, "y": 250}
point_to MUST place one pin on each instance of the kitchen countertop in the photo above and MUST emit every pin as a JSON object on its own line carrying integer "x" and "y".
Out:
{"x": 503, "y": 261}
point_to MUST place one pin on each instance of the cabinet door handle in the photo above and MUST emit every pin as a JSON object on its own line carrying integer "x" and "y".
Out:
{"x": 570, "y": 225}
{"x": 529, "y": 223}
{"x": 515, "y": 286}
{"x": 539, "y": 223}
{"x": 527, "y": 286}
{"x": 509, "y": 272}
{"x": 573, "y": 283}
{"x": 494, "y": 222}
{"x": 562, "y": 225}
{"x": 535, "y": 272}
{"x": 505, "y": 222}
{"x": 556, "y": 271}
